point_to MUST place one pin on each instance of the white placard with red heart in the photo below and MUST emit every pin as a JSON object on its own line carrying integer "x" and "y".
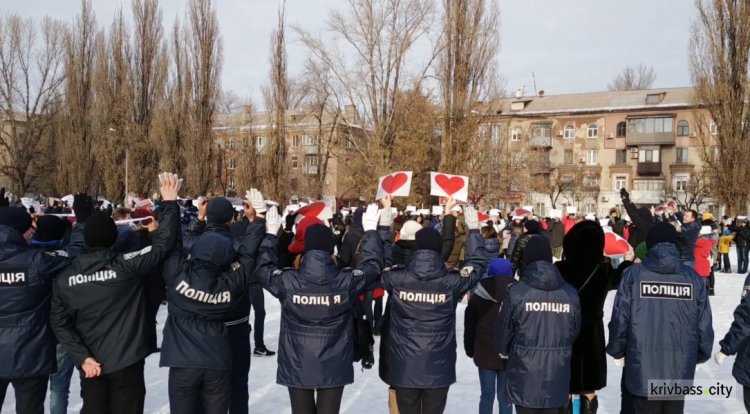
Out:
{"x": 318, "y": 209}
{"x": 614, "y": 245}
{"x": 446, "y": 185}
{"x": 397, "y": 184}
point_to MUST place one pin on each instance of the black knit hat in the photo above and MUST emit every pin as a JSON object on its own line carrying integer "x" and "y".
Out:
{"x": 319, "y": 237}
{"x": 100, "y": 231}
{"x": 428, "y": 239}
{"x": 661, "y": 233}
{"x": 16, "y": 218}
{"x": 532, "y": 226}
{"x": 219, "y": 211}
{"x": 537, "y": 249}
{"x": 49, "y": 228}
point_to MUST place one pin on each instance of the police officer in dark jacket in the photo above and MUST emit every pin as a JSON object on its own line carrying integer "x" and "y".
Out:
{"x": 661, "y": 304}
{"x": 735, "y": 342}
{"x": 98, "y": 309}
{"x": 316, "y": 341}
{"x": 424, "y": 296}
{"x": 27, "y": 350}
{"x": 535, "y": 331}
{"x": 197, "y": 346}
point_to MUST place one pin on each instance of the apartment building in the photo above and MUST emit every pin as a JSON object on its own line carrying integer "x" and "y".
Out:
{"x": 318, "y": 144}
{"x": 644, "y": 141}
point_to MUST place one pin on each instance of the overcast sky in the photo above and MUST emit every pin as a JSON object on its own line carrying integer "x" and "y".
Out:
{"x": 572, "y": 45}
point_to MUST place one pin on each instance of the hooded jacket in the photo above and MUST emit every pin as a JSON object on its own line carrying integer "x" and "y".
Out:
{"x": 735, "y": 341}
{"x": 556, "y": 232}
{"x": 688, "y": 236}
{"x": 742, "y": 238}
{"x": 479, "y": 322}
{"x": 98, "y": 305}
{"x": 492, "y": 248}
{"x": 518, "y": 248}
{"x": 585, "y": 269}
{"x": 535, "y": 331}
{"x": 702, "y": 253}
{"x": 27, "y": 348}
{"x": 661, "y": 320}
{"x": 423, "y": 298}
{"x": 200, "y": 293}
{"x": 316, "y": 339}
{"x": 351, "y": 240}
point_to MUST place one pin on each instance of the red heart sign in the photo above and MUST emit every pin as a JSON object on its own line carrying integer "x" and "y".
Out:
{"x": 312, "y": 210}
{"x": 449, "y": 185}
{"x": 392, "y": 183}
{"x": 614, "y": 245}
{"x": 483, "y": 217}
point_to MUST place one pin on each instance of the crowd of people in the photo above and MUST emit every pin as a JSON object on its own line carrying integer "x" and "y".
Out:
{"x": 83, "y": 293}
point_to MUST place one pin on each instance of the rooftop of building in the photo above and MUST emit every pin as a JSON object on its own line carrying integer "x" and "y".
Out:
{"x": 248, "y": 118}
{"x": 592, "y": 102}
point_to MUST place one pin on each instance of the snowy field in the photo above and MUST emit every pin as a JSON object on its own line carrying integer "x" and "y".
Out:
{"x": 369, "y": 393}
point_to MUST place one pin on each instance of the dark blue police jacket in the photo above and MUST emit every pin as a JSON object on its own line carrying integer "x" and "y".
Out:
{"x": 735, "y": 341}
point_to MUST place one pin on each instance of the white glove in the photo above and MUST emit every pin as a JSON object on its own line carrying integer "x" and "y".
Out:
{"x": 720, "y": 358}
{"x": 386, "y": 217}
{"x": 256, "y": 199}
{"x": 620, "y": 362}
{"x": 273, "y": 221}
{"x": 371, "y": 217}
{"x": 472, "y": 218}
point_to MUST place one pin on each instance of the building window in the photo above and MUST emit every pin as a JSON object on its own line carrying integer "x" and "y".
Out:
{"x": 232, "y": 164}
{"x": 231, "y": 143}
{"x": 542, "y": 130}
{"x": 516, "y": 134}
{"x": 311, "y": 161}
{"x": 589, "y": 208}
{"x": 621, "y": 130}
{"x": 497, "y": 134}
{"x": 308, "y": 140}
{"x": 346, "y": 161}
{"x": 621, "y": 182}
{"x": 260, "y": 141}
{"x": 591, "y": 157}
{"x": 648, "y": 154}
{"x": 294, "y": 184}
{"x": 540, "y": 209}
{"x": 593, "y": 131}
{"x": 683, "y": 129}
{"x": 682, "y": 155}
{"x": 295, "y": 141}
{"x": 653, "y": 99}
{"x": 713, "y": 128}
{"x": 621, "y": 156}
{"x": 348, "y": 143}
{"x": 570, "y": 131}
{"x": 648, "y": 185}
{"x": 568, "y": 157}
{"x": 294, "y": 163}
{"x": 591, "y": 181}
{"x": 516, "y": 158}
{"x": 231, "y": 182}
{"x": 680, "y": 183}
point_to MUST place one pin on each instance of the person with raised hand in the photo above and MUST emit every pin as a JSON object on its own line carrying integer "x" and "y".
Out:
{"x": 423, "y": 296}
{"x": 204, "y": 364}
{"x": 316, "y": 341}
{"x": 98, "y": 308}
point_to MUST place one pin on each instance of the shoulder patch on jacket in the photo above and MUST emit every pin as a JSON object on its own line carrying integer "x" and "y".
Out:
{"x": 61, "y": 253}
{"x": 276, "y": 273}
{"x": 133, "y": 255}
{"x": 745, "y": 291}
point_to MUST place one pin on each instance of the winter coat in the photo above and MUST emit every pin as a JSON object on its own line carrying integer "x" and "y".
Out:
{"x": 492, "y": 248}
{"x": 641, "y": 219}
{"x": 27, "y": 349}
{"x": 506, "y": 238}
{"x": 201, "y": 293}
{"x": 479, "y": 322}
{"x": 618, "y": 226}
{"x": 424, "y": 295}
{"x": 517, "y": 255}
{"x": 98, "y": 305}
{"x": 515, "y": 233}
{"x": 661, "y": 320}
{"x": 535, "y": 331}
{"x": 742, "y": 238}
{"x": 735, "y": 341}
{"x": 702, "y": 254}
{"x": 458, "y": 245}
{"x": 351, "y": 241}
{"x": 400, "y": 254}
{"x": 585, "y": 269}
{"x": 316, "y": 339}
{"x": 688, "y": 235}
{"x": 568, "y": 223}
{"x": 556, "y": 233}
{"x": 725, "y": 244}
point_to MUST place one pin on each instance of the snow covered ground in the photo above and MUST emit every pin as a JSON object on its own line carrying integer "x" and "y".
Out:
{"x": 369, "y": 393}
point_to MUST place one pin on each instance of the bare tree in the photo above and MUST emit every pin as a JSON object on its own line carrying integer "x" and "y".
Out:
{"x": 719, "y": 61}
{"x": 689, "y": 194}
{"x": 31, "y": 62}
{"x": 229, "y": 103}
{"x": 555, "y": 185}
{"x": 633, "y": 79}
{"x": 467, "y": 76}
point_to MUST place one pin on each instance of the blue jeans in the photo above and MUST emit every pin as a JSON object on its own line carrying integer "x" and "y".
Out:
{"x": 493, "y": 384}
{"x": 742, "y": 253}
{"x": 59, "y": 383}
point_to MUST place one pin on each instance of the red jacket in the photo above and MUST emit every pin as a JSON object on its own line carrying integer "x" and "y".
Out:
{"x": 702, "y": 253}
{"x": 568, "y": 224}
{"x": 379, "y": 293}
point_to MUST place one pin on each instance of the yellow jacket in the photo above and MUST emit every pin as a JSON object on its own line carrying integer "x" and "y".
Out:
{"x": 725, "y": 243}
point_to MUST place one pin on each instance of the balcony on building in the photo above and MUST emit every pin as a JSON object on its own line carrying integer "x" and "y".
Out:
{"x": 541, "y": 136}
{"x": 310, "y": 149}
{"x": 649, "y": 168}
{"x": 657, "y": 130}
{"x": 540, "y": 168}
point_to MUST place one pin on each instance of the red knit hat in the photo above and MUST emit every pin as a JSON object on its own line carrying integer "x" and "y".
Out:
{"x": 298, "y": 247}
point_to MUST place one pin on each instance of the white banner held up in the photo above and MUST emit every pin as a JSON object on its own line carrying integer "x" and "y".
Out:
{"x": 446, "y": 185}
{"x": 397, "y": 184}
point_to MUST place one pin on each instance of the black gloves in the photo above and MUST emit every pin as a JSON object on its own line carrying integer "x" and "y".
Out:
{"x": 290, "y": 222}
{"x": 4, "y": 202}
{"x": 624, "y": 194}
{"x": 83, "y": 207}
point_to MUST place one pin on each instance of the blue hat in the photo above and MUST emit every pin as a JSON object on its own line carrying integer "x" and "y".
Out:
{"x": 727, "y": 232}
{"x": 500, "y": 267}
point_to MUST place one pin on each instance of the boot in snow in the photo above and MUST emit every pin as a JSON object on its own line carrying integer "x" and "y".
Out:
{"x": 589, "y": 407}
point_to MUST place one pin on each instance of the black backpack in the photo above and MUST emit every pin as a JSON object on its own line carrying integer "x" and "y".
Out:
{"x": 363, "y": 338}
